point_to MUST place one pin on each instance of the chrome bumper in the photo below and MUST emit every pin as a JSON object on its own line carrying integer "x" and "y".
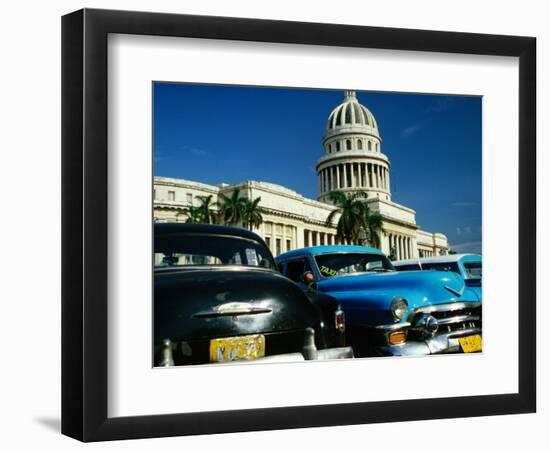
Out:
{"x": 335, "y": 353}
{"x": 439, "y": 344}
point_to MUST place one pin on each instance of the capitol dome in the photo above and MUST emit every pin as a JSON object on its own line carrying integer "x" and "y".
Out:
{"x": 351, "y": 114}
{"x": 353, "y": 160}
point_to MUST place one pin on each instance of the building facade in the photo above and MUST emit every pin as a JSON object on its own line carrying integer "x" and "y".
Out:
{"x": 352, "y": 161}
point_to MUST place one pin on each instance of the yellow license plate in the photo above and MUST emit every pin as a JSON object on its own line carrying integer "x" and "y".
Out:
{"x": 470, "y": 344}
{"x": 237, "y": 348}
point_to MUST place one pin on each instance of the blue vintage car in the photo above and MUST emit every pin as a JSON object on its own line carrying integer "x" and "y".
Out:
{"x": 390, "y": 312}
{"x": 467, "y": 265}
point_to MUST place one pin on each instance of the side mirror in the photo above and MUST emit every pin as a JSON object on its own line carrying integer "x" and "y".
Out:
{"x": 308, "y": 278}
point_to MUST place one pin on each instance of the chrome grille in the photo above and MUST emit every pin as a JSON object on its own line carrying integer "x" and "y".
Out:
{"x": 454, "y": 318}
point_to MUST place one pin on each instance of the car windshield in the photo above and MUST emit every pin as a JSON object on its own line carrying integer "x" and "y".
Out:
{"x": 473, "y": 269}
{"x": 334, "y": 264}
{"x": 444, "y": 266}
{"x": 191, "y": 250}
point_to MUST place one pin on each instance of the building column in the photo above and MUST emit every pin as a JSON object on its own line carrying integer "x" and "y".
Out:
{"x": 414, "y": 248}
{"x": 384, "y": 241}
{"x": 369, "y": 181}
{"x": 273, "y": 241}
{"x": 397, "y": 247}
{"x": 299, "y": 237}
{"x": 338, "y": 176}
{"x": 345, "y": 175}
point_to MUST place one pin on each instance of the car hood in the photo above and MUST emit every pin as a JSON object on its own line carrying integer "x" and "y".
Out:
{"x": 221, "y": 302}
{"x": 373, "y": 293}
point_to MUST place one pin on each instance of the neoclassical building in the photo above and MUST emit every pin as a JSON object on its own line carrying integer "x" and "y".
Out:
{"x": 352, "y": 161}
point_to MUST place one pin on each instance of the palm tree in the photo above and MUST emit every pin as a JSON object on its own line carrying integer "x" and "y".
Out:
{"x": 231, "y": 208}
{"x": 355, "y": 215}
{"x": 352, "y": 210}
{"x": 373, "y": 225}
{"x": 207, "y": 215}
{"x": 194, "y": 214}
{"x": 252, "y": 214}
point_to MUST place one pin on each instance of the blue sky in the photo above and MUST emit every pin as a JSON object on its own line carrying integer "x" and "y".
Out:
{"x": 215, "y": 134}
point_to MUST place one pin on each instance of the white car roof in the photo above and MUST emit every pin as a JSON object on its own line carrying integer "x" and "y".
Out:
{"x": 433, "y": 259}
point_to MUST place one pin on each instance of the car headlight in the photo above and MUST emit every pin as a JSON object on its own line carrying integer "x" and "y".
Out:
{"x": 399, "y": 308}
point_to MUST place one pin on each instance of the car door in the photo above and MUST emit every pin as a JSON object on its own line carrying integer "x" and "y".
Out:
{"x": 295, "y": 269}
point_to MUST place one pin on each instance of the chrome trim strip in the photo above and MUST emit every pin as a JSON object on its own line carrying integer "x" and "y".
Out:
{"x": 455, "y": 292}
{"x": 233, "y": 312}
{"x": 446, "y": 307}
{"x": 393, "y": 326}
{"x": 458, "y": 319}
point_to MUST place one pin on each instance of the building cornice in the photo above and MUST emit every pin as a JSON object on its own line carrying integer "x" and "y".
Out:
{"x": 351, "y": 156}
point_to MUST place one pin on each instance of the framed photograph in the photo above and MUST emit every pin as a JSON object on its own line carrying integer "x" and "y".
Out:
{"x": 273, "y": 224}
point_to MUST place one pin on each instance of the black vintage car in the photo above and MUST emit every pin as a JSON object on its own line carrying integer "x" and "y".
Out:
{"x": 219, "y": 298}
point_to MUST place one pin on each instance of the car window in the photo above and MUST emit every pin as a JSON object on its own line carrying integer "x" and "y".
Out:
{"x": 446, "y": 267}
{"x": 181, "y": 250}
{"x": 295, "y": 270}
{"x": 405, "y": 267}
{"x": 473, "y": 269}
{"x": 334, "y": 264}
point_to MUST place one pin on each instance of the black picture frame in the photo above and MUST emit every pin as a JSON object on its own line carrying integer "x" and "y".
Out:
{"x": 84, "y": 224}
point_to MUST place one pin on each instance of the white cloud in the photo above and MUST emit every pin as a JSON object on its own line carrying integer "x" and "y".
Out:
{"x": 457, "y": 204}
{"x": 409, "y": 131}
{"x": 198, "y": 151}
{"x": 467, "y": 247}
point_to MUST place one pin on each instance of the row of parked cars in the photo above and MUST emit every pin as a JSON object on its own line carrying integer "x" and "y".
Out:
{"x": 221, "y": 296}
